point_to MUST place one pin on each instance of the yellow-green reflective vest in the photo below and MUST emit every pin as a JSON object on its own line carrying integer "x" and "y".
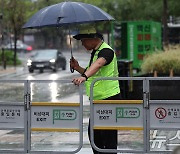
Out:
{"x": 104, "y": 88}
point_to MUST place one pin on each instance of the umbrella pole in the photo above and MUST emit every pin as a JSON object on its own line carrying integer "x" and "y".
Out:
{"x": 70, "y": 41}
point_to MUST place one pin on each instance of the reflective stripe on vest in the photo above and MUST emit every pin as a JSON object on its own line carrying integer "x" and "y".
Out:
{"x": 104, "y": 88}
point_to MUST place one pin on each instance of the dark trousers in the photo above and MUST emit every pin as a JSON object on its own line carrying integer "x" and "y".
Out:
{"x": 105, "y": 139}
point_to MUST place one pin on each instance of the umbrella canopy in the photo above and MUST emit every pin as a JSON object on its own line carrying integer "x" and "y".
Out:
{"x": 67, "y": 13}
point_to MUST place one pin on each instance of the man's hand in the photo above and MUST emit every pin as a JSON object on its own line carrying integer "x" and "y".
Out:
{"x": 79, "y": 80}
{"x": 74, "y": 64}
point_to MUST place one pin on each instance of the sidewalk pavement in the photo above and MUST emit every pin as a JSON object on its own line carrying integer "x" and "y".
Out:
{"x": 10, "y": 70}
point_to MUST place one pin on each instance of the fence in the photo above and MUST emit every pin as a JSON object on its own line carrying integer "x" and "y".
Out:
{"x": 154, "y": 118}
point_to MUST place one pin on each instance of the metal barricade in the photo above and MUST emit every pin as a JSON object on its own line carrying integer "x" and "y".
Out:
{"x": 44, "y": 122}
{"x": 146, "y": 115}
{"x": 163, "y": 114}
{"x": 13, "y": 117}
{"x": 27, "y": 117}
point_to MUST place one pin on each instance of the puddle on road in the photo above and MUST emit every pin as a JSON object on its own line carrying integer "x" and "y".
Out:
{"x": 51, "y": 92}
{"x": 40, "y": 92}
{"x": 11, "y": 92}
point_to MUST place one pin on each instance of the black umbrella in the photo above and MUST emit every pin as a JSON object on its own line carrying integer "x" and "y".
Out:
{"x": 67, "y": 14}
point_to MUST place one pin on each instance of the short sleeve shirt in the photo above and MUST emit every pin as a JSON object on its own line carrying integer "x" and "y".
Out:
{"x": 106, "y": 53}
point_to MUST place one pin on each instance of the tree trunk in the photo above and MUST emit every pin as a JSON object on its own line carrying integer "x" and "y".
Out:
{"x": 165, "y": 27}
{"x": 15, "y": 47}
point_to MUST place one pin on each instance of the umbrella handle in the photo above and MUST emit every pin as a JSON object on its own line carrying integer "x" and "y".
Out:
{"x": 72, "y": 70}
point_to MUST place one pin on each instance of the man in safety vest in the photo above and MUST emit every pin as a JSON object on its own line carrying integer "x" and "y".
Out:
{"x": 103, "y": 63}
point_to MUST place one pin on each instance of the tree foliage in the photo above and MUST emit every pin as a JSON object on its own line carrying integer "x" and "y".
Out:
{"x": 14, "y": 15}
{"x": 17, "y": 12}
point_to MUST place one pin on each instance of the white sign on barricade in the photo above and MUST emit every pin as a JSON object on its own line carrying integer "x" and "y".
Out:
{"x": 165, "y": 115}
{"x": 60, "y": 116}
{"x": 118, "y": 114}
{"x": 12, "y": 116}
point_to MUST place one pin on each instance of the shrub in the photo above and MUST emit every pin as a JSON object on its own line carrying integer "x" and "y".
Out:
{"x": 162, "y": 62}
{"x": 9, "y": 56}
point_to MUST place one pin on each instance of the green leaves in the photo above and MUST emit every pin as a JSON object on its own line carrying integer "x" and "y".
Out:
{"x": 9, "y": 56}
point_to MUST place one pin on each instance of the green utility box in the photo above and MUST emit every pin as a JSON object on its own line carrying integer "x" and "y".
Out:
{"x": 139, "y": 38}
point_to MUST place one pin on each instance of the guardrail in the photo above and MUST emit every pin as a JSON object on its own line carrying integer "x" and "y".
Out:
{"x": 153, "y": 118}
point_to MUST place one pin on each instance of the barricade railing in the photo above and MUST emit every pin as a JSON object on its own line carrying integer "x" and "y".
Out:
{"x": 148, "y": 115}
{"x": 13, "y": 117}
{"x": 65, "y": 117}
{"x": 139, "y": 115}
{"x": 44, "y": 123}
{"x": 163, "y": 114}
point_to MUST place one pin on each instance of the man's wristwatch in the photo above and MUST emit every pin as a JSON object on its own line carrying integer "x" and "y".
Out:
{"x": 84, "y": 75}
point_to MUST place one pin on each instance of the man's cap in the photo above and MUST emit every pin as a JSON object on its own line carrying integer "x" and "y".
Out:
{"x": 89, "y": 32}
